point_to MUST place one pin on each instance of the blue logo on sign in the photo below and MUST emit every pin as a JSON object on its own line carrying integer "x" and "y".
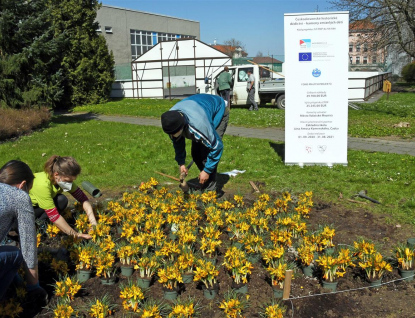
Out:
{"x": 304, "y": 57}
{"x": 316, "y": 72}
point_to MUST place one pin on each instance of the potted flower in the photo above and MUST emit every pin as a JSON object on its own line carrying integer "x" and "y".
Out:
{"x": 67, "y": 288}
{"x": 147, "y": 266}
{"x": 132, "y": 295}
{"x": 62, "y": 309}
{"x": 306, "y": 257}
{"x": 375, "y": 266}
{"x": 208, "y": 247}
{"x": 332, "y": 267}
{"x": 253, "y": 244}
{"x": 85, "y": 260}
{"x": 125, "y": 253}
{"x": 405, "y": 258}
{"x": 206, "y": 273}
{"x": 154, "y": 309}
{"x": 186, "y": 262}
{"x": 237, "y": 264}
{"x": 170, "y": 277}
{"x": 277, "y": 272}
{"x": 234, "y": 304}
{"x": 101, "y": 307}
{"x": 105, "y": 267}
{"x": 185, "y": 308}
{"x": 274, "y": 309}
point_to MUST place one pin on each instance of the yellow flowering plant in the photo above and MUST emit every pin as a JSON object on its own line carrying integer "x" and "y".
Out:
{"x": 60, "y": 267}
{"x": 82, "y": 223}
{"x": 84, "y": 255}
{"x": 125, "y": 253}
{"x": 333, "y": 266}
{"x": 147, "y": 265}
{"x": 236, "y": 262}
{"x": 10, "y": 308}
{"x": 208, "y": 246}
{"x": 277, "y": 272}
{"x": 375, "y": 266}
{"x": 274, "y": 309}
{"x": 38, "y": 239}
{"x": 206, "y": 272}
{"x": 104, "y": 264}
{"x": 99, "y": 232}
{"x": 185, "y": 308}
{"x": 170, "y": 275}
{"x": 186, "y": 260}
{"x": 272, "y": 254}
{"x": 133, "y": 296}
{"x": 306, "y": 253}
{"x": 63, "y": 310}
{"x": 67, "y": 288}
{"x": 405, "y": 256}
{"x": 101, "y": 307}
{"x": 234, "y": 304}
{"x": 52, "y": 230}
{"x": 153, "y": 309}
{"x": 169, "y": 250}
{"x": 253, "y": 243}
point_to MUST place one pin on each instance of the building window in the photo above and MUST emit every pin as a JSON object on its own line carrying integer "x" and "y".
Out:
{"x": 357, "y": 59}
{"x": 165, "y": 37}
{"x": 374, "y": 60}
{"x": 108, "y": 29}
{"x": 357, "y": 47}
{"x": 141, "y": 42}
{"x": 350, "y": 47}
{"x": 187, "y": 37}
{"x": 364, "y": 59}
{"x": 365, "y": 47}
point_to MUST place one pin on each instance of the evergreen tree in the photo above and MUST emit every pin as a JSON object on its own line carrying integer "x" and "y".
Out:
{"x": 50, "y": 54}
{"x": 87, "y": 63}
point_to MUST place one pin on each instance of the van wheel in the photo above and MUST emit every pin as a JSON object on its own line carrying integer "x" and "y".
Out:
{"x": 281, "y": 102}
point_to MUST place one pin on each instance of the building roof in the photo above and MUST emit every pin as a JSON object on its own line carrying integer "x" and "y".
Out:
{"x": 160, "y": 15}
{"x": 265, "y": 60}
{"x": 227, "y": 49}
{"x": 361, "y": 25}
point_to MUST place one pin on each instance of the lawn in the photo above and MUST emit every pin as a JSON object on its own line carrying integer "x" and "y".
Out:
{"x": 373, "y": 120}
{"x": 117, "y": 156}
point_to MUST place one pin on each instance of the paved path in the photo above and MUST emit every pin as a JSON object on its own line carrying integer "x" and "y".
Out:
{"x": 273, "y": 134}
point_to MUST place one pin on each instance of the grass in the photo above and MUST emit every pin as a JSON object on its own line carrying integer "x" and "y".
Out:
{"x": 373, "y": 120}
{"x": 116, "y": 156}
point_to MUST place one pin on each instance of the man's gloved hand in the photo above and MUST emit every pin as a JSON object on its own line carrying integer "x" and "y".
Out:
{"x": 37, "y": 295}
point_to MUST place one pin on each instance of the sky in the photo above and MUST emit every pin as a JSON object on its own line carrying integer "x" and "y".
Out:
{"x": 258, "y": 24}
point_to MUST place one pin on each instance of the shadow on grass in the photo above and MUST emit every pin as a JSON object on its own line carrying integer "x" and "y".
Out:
{"x": 279, "y": 149}
{"x": 68, "y": 118}
{"x": 221, "y": 180}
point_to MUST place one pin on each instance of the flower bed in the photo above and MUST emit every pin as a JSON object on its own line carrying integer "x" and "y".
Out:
{"x": 166, "y": 235}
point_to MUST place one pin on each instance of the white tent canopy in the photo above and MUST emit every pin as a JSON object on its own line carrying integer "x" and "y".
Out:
{"x": 176, "y": 68}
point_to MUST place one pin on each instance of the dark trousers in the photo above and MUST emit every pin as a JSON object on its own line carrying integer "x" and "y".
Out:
{"x": 11, "y": 259}
{"x": 61, "y": 202}
{"x": 200, "y": 152}
{"x": 225, "y": 94}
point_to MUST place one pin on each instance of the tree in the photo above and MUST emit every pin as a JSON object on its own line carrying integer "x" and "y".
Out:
{"x": 87, "y": 62}
{"x": 29, "y": 55}
{"x": 394, "y": 20}
{"x": 50, "y": 54}
{"x": 259, "y": 54}
{"x": 233, "y": 45}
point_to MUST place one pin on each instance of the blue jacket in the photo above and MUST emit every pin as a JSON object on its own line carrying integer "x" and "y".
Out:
{"x": 203, "y": 113}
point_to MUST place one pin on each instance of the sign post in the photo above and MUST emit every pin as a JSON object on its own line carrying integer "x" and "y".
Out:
{"x": 316, "y": 88}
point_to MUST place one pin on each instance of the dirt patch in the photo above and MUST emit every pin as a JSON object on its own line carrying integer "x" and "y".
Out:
{"x": 308, "y": 298}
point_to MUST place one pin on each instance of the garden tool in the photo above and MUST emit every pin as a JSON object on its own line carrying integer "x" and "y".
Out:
{"x": 183, "y": 184}
{"x": 362, "y": 194}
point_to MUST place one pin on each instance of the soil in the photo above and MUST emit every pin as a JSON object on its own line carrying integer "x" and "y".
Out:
{"x": 307, "y": 298}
